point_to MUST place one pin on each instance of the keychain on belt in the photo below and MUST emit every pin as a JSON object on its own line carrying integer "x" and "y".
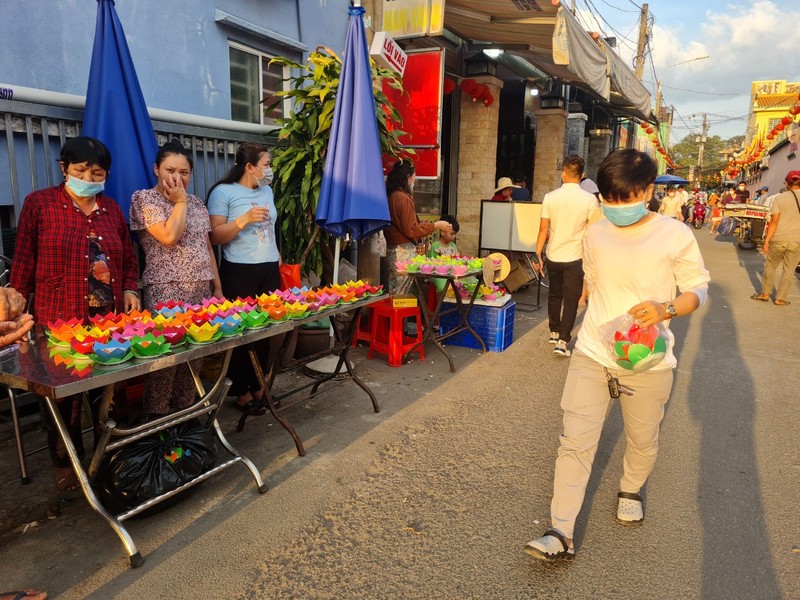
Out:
{"x": 615, "y": 388}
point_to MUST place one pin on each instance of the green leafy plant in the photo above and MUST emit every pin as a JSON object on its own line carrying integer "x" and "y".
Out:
{"x": 299, "y": 159}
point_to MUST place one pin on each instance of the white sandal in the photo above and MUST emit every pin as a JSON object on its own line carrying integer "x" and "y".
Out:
{"x": 629, "y": 509}
{"x": 551, "y": 546}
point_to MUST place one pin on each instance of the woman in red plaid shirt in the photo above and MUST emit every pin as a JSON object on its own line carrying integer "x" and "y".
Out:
{"x": 74, "y": 254}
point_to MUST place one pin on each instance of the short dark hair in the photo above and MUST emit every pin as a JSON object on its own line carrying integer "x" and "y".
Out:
{"x": 171, "y": 147}
{"x": 517, "y": 176}
{"x": 85, "y": 149}
{"x": 624, "y": 173}
{"x": 452, "y": 220}
{"x": 574, "y": 165}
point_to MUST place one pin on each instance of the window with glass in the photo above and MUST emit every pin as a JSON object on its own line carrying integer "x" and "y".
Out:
{"x": 253, "y": 85}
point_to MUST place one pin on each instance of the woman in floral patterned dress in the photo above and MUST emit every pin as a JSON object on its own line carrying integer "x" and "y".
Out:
{"x": 173, "y": 229}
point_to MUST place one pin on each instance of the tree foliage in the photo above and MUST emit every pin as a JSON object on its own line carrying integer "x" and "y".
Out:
{"x": 687, "y": 151}
{"x": 299, "y": 160}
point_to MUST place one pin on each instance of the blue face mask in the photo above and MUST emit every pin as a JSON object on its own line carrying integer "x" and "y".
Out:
{"x": 625, "y": 214}
{"x": 85, "y": 189}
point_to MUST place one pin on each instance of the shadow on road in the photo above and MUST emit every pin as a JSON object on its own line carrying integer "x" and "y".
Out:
{"x": 721, "y": 397}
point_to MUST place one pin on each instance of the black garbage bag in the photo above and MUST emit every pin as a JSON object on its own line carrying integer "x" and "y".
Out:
{"x": 158, "y": 464}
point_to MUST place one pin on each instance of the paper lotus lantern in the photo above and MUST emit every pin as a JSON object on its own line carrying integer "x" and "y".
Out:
{"x": 113, "y": 351}
{"x": 174, "y": 334}
{"x": 633, "y": 347}
{"x": 296, "y": 310}
{"x": 202, "y": 334}
{"x": 230, "y": 325}
{"x": 277, "y": 313}
{"x": 149, "y": 346}
{"x": 255, "y": 318}
{"x": 85, "y": 344}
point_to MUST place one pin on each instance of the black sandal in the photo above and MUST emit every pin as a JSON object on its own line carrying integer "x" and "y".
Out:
{"x": 251, "y": 407}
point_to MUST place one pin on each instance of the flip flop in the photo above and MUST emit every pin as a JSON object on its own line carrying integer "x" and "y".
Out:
{"x": 759, "y": 297}
{"x": 18, "y": 595}
{"x": 782, "y": 303}
{"x": 66, "y": 479}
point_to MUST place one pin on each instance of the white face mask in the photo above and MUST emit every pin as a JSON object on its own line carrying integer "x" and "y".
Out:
{"x": 266, "y": 177}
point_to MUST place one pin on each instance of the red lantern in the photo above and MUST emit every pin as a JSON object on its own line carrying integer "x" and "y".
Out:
{"x": 771, "y": 136}
{"x": 786, "y": 120}
{"x": 448, "y": 86}
{"x": 795, "y": 109}
{"x": 468, "y": 86}
{"x": 488, "y": 100}
{"x": 780, "y": 126}
{"x": 649, "y": 129}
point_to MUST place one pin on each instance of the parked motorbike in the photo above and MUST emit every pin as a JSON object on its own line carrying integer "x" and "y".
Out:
{"x": 698, "y": 214}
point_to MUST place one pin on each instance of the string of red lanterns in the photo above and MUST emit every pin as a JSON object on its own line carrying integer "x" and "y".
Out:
{"x": 757, "y": 147}
{"x": 656, "y": 141}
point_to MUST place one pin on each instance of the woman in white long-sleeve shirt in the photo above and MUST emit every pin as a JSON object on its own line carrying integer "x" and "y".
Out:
{"x": 633, "y": 261}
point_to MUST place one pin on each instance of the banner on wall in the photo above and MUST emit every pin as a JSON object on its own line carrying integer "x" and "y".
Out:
{"x": 420, "y": 106}
{"x": 413, "y": 18}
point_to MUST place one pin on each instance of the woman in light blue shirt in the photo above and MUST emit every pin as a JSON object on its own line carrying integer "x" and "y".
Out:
{"x": 242, "y": 211}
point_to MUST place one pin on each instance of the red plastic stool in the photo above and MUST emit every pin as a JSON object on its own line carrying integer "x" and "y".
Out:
{"x": 365, "y": 322}
{"x": 388, "y": 336}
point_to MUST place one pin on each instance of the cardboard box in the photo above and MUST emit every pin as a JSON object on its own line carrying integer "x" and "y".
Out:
{"x": 404, "y": 301}
{"x": 519, "y": 275}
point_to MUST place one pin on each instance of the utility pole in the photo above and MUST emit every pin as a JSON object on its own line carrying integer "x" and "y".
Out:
{"x": 639, "y": 71}
{"x": 702, "y": 141}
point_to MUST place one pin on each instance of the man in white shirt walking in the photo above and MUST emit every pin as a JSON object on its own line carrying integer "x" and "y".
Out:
{"x": 565, "y": 214}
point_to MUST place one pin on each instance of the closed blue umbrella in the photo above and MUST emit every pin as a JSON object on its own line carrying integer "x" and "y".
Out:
{"x": 116, "y": 113}
{"x": 352, "y": 197}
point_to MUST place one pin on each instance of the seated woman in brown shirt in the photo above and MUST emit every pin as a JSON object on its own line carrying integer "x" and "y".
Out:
{"x": 406, "y": 230}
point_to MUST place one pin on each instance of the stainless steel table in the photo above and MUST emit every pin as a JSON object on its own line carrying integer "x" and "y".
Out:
{"x": 431, "y": 317}
{"x": 32, "y": 369}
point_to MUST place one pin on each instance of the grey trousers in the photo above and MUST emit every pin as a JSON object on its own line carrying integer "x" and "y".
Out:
{"x": 585, "y": 402}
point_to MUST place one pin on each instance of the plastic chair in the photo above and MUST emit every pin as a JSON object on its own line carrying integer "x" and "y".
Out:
{"x": 389, "y": 337}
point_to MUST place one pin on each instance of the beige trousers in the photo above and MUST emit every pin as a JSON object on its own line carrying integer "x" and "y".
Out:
{"x": 585, "y": 402}
{"x": 780, "y": 253}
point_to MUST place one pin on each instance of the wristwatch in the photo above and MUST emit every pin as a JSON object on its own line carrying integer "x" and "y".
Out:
{"x": 671, "y": 310}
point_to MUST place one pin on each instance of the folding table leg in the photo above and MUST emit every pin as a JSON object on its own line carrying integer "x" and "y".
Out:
{"x": 135, "y": 559}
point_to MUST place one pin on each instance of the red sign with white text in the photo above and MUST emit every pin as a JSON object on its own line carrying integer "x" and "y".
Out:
{"x": 420, "y": 106}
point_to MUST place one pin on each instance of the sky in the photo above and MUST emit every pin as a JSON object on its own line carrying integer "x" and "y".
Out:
{"x": 745, "y": 40}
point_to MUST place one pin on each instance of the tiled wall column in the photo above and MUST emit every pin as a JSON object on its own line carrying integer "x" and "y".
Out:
{"x": 477, "y": 159}
{"x": 551, "y": 127}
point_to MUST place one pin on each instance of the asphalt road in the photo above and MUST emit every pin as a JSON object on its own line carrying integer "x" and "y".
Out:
{"x": 435, "y": 496}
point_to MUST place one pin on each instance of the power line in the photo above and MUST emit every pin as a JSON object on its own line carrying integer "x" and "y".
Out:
{"x": 625, "y": 10}
{"x": 699, "y": 92}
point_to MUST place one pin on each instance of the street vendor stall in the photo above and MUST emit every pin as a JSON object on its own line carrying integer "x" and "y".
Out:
{"x": 747, "y": 223}
{"x": 70, "y": 359}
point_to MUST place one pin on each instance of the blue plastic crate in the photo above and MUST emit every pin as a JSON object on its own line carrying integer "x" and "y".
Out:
{"x": 495, "y": 325}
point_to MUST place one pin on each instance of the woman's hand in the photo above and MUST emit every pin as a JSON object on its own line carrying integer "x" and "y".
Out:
{"x": 173, "y": 190}
{"x": 216, "y": 291}
{"x": 16, "y": 330}
{"x": 12, "y": 304}
{"x": 257, "y": 214}
{"x": 648, "y": 313}
{"x": 443, "y": 226}
{"x": 132, "y": 302}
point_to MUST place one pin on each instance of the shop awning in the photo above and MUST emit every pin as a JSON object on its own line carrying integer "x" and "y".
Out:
{"x": 556, "y": 43}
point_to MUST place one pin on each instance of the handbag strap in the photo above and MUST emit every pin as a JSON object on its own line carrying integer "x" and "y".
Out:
{"x": 795, "y": 200}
